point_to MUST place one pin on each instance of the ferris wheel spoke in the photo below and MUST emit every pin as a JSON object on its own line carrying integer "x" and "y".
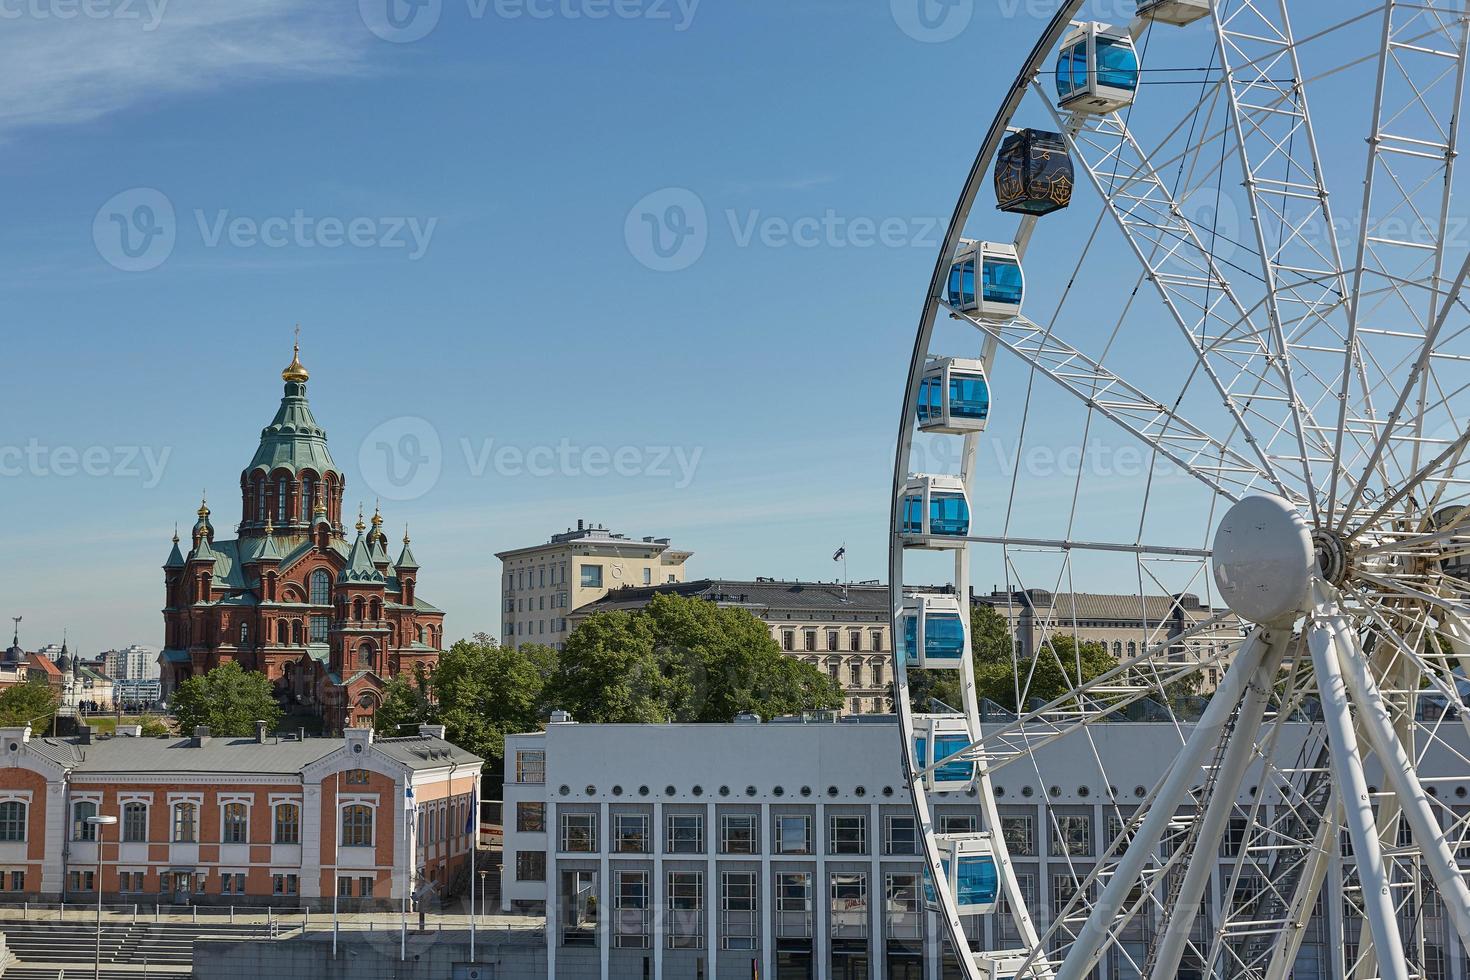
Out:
{"x": 1222, "y": 469}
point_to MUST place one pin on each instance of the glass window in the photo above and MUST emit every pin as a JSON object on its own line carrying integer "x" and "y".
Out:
{"x": 904, "y": 919}
{"x": 685, "y": 833}
{"x": 957, "y": 823}
{"x": 591, "y": 576}
{"x": 962, "y": 284}
{"x": 630, "y": 833}
{"x": 12, "y": 821}
{"x": 793, "y": 835}
{"x": 186, "y": 823}
{"x": 849, "y": 895}
{"x": 854, "y": 640}
{"x": 648, "y": 576}
{"x": 531, "y": 818}
{"x": 307, "y": 496}
{"x": 321, "y": 588}
{"x": 531, "y": 767}
{"x": 794, "y": 905}
{"x": 738, "y": 907}
{"x": 234, "y": 828}
{"x": 738, "y": 833}
{"x": 356, "y": 777}
{"x": 135, "y": 822}
{"x": 900, "y": 836}
{"x": 288, "y": 823}
{"x": 948, "y": 513}
{"x": 630, "y": 908}
{"x": 876, "y": 638}
{"x": 847, "y": 834}
{"x": 788, "y": 640}
{"x": 530, "y": 865}
{"x": 80, "y": 829}
{"x": 320, "y": 627}
{"x": 282, "y": 501}
{"x": 579, "y": 832}
{"x": 1071, "y": 835}
{"x": 855, "y": 674}
{"x": 969, "y": 397}
{"x": 832, "y": 645}
{"x": 686, "y": 907}
{"x": 1117, "y": 63}
{"x": 357, "y": 826}
{"x": 1020, "y": 835}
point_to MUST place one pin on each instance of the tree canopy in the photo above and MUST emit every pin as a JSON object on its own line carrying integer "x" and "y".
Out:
{"x": 480, "y": 692}
{"x": 31, "y": 704}
{"x": 685, "y": 660}
{"x": 228, "y": 699}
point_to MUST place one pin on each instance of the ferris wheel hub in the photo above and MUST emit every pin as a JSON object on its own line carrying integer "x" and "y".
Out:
{"x": 1333, "y": 554}
{"x": 1265, "y": 559}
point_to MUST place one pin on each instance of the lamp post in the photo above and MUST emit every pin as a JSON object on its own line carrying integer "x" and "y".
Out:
{"x": 482, "y": 894}
{"x": 97, "y": 823}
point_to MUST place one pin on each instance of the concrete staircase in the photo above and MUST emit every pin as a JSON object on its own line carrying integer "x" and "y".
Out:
{"x": 163, "y": 948}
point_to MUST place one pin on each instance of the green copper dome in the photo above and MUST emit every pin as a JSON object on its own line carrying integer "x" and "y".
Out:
{"x": 294, "y": 440}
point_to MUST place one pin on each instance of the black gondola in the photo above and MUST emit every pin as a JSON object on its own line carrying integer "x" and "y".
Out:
{"x": 1033, "y": 173}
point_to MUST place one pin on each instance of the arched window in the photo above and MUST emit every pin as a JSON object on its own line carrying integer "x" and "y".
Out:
{"x": 282, "y": 501}
{"x": 365, "y": 654}
{"x": 357, "y": 608}
{"x": 260, "y": 510}
{"x": 12, "y": 821}
{"x": 296, "y": 632}
{"x": 288, "y": 823}
{"x": 244, "y": 634}
{"x": 135, "y": 822}
{"x": 1132, "y": 648}
{"x": 1117, "y": 649}
{"x": 321, "y": 588}
{"x": 375, "y": 610}
{"x": 421, "y": 634}
{"x": 236, "y": 828}
{"x": 80, "y": 812}
{"x": 282, "y": 636}
{"x": 357, "y": 826}
{"x": 186, "y": 823}
{"x": 306, "y": 498}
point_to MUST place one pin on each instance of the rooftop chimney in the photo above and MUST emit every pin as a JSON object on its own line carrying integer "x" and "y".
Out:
{"x": 431, "y": 731}
{"x": 84, "y": 734}
{"x": 560, "y": 717}
{"x": 260, "y": 732}
{"x": 201, "y": 736}
{"x": 581, "y": 526}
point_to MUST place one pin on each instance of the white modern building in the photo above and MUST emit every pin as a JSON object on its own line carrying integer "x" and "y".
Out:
{"x": 712, "y": 851}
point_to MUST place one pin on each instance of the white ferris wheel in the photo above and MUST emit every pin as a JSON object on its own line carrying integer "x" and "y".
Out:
{"x": 1224, "y": 235}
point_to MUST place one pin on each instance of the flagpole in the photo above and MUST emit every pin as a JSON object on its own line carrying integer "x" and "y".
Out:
{"x": 474, "y": 846}
{"x": 336, "y": 859}
{"x": 408, "y": 818}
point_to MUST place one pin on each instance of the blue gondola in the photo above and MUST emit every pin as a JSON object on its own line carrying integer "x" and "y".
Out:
{"x": 1180, "y": 12}
{"x": 1033, "y": 173}
{"x": 948, "y": 736}
{"x": 932, "y": 633}
{"x": 936, "y": 512}
{"x": 1097, "y": 69}
{"x": 954, "y": 396}
{"x": 985, "y": 280}
{"x": 974, "y": 877}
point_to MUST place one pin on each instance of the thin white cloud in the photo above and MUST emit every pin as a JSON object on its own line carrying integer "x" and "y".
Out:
{"x": 67, "y": 71}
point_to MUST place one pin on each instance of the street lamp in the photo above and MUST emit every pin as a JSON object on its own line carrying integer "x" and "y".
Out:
{"x": 96, "y": 823}
{"x": 482, "y": 894}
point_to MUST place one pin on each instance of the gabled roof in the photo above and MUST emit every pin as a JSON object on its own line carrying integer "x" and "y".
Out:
{"x": 360, "y": 568}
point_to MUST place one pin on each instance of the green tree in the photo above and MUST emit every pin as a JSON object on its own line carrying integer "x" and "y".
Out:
{"x": 31, "y": 704}
{"x": 228, "y": 699}
{"x": 406, "y": 703}
{"x": 1059, "y": 665}
{"x": 686, "y": 660}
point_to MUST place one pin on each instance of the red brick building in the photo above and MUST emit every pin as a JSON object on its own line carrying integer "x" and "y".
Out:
{"x": 235, "y": 821}
{"x": 327, "y": 620}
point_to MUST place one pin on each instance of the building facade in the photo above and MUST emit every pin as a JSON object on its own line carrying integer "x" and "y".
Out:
{"x": 327, "y": 620}
{"x": 233, "y": 821}
{"x": 841, "y": 630}
{"x": 541, "y": 586}
{"x": 665, "y": 851}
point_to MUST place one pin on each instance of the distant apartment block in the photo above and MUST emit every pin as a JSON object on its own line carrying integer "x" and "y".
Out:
{"x": 543, "y": 584}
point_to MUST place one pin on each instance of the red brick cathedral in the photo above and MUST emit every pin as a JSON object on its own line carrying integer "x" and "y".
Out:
{"x": 327, "y": 620}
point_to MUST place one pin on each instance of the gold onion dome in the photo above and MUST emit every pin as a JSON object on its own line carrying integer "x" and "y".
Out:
{"x": 295, "y": 371}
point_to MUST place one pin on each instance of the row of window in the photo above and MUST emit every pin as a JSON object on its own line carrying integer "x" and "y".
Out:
{"x": 357, "y": 823}
{"x": 739, "y": 833}
{"x": 135, "y": 882}
{"x": 444, "y": 820}
{"x": 558, "y": 624}
{"x": 289, "y": 632}
{"x": 684, "y": 907}
{"x": 834, "y": 641}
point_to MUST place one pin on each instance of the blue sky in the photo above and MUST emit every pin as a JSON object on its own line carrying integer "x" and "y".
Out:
{"x": 455, "y": 220}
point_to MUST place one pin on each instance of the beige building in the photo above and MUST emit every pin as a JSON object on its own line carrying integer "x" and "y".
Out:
{"x": 843, "y": 631}
{"x": 541, "y": 586}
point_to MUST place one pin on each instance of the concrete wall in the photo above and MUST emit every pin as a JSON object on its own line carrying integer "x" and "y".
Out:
{"x": 363, "y": 956}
